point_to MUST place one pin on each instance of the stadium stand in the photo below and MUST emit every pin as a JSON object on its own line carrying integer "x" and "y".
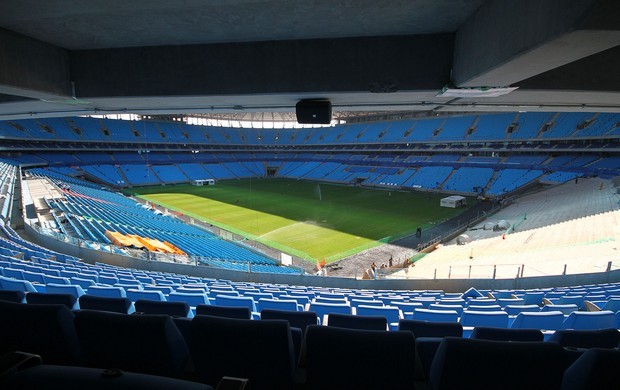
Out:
{"x": 468, "y": 180}
{"x": 167, "y": 285}
{"x": 428, "y": 177}
{"x": 454, "y": 129}
{"x": 516, "y": 287}
{"x": 565, "y": 124}
{"x": 491, "y": 127}
{"x": 509, "y": 180}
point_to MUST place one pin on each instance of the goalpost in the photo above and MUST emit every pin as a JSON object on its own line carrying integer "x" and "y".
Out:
{"x": 202, "y": 182}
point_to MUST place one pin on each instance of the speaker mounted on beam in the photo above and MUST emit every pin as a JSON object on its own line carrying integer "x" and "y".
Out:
{"x": 314, "y": 112}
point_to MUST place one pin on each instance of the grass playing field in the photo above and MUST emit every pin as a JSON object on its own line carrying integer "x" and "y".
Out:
{"x": 306, "y": 219}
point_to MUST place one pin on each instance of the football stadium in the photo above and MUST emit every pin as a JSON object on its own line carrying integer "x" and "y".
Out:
{"x": 310, "y": 195}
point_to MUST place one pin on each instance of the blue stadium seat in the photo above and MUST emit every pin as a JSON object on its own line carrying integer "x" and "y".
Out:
{"x": 513, "y": 310}
{"x": 503, "y": 302}
{"x": 435, "y": 315}
{"x": 278, "y": 304}
{"x": 589, "y": 320}
{"x": 331, "y": 300}
{"x": 148, "y": 344}
{"x": 192, "y": 299}
{"x": 445, "y": 306}
{"x": 151, "y": 295}
{"x": 571, "y": 299}
{"x": 392, "y": 314}
{"x": 176, "y": 309}
{"x": 551, "y": 320}
{"x": 503, "y": 334}
{"x": 258, "y": 295}
{"x": 453, "y": 301}
{"x": 367, "y": 302}
{"x": 428, "y": 336}
{"x": 297, "y": 319}
{"x": 533, "y": 298}
{"x": 68, "y": 300}
{"x": 109, "y": 280}
{"x": 113, "y": 304}
{"x": 238, "y": 312}
{"x": 45, "y": 330}
{"x": 261, "y": 351}
{"x": 166, "y": 290}
{"x": 482, "y": 302}
{"x": 16, "y": 285}
{"x": 471, "y": 319}
{"x": 484, "y": 308}
{"x": 107, "y": 291}
{"x": 301, "y": 300}
{"x": 611, "y": 304}
{"x": 72, "y": 289}
{"x": 324, "y": 309}
{"x": 595, "y": 369}
{"x": 222, "y": 300}
{"x": 364, "y": 322}
{"x": 432, "y": 329}
{"x": 598, "y": 338}
{"x": 82, "y": 282}
{"x": 34, "y": 277}
{"x": 12, "y": 296}
{"x": 406, "y": 307}
{"x": 56, "y": 279}
{"x": 327, "y": 346}
{"x": 565, "y": 309}
{"x": 481, "y": 364}
{"x": 13, "y": 273}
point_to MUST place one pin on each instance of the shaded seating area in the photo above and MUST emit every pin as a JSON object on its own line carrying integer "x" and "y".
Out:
{"x": 12, "y": 296}
{"x": 300, "y": 320}
{"x": 238, "y": 312}
{"x": 357, "y": 322}
{"x": 28, "y": 373}
{"x": 357, "y": 354}
{"x": 501, "y": 334}
{"x": 67, "y": 300}
{"x": 148, "y": 344}
{"x": 600, "y": 338}
{"x": 271, "y": 353}
{"x": 595, "y": 369}
{"x": 45, "y": 330}
{"x": 115, "y": 305}
{"x": 174, "y": 309}
{"x": 261, "y": 351}
{"x": 483, "y": 364}
{"x": 164, "y": 339}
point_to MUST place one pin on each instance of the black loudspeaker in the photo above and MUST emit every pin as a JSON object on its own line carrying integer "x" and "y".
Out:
{"x": 314, "y": 112}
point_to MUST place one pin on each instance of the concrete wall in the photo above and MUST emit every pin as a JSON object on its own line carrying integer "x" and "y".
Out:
{"x": 316, "y": 65}
{"x": 32, "y": 68}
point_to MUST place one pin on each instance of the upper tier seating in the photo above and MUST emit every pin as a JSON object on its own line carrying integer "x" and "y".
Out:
{"x": 485, "y": 127}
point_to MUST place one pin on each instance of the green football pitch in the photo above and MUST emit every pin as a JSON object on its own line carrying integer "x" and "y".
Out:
{"x": 305, "y": 219}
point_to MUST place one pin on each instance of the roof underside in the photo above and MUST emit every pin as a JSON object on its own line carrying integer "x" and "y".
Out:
{"x": 256, "y": 57}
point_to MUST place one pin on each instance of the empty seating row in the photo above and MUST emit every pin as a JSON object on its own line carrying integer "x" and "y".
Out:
{"x": 207, "y": 348}
{"x": 481, "y": 127}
